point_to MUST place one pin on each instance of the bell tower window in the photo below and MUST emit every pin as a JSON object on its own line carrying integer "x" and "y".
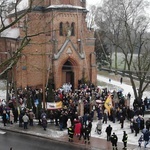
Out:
{"x": 72, "y": 29}
{"x": 61, "y": 29}
{"x": 66, "y": 28}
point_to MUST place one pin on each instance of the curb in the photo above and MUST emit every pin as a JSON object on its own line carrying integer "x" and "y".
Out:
{"x": 75, "y": 144}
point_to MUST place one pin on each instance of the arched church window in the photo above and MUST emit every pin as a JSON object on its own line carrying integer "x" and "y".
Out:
{"x": 72, "y": 29}
{"x": 61, "y": 29}
{"x": 67, "y": 29}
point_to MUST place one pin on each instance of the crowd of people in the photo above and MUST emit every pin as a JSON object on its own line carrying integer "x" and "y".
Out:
{"x": 70, "y": 116}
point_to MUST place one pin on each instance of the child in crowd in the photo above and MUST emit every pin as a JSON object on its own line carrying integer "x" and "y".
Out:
{"x": 140, "y": 140}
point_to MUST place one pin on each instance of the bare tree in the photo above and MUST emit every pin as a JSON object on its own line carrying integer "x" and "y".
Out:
{"x": 12, "y": 16}
{"x": 126, "y": 28}
{"x": 5, "y": 24}
{"x": 91, "y": 16}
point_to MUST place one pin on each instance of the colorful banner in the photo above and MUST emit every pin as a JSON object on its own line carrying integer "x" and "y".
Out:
{"x": 54, "y": 105}
{"x": 108, "y": 103}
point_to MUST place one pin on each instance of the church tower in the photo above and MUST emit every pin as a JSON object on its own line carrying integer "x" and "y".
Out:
{"x": 63, "y": 52}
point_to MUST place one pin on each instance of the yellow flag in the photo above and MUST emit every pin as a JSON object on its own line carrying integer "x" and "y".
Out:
{"x": 59, "y": 104}
{"x": 108, "y": 103}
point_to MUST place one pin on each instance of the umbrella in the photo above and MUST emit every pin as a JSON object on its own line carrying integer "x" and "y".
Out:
{"x": 99, "y": 101}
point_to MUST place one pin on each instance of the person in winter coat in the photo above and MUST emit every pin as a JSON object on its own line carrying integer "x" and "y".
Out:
{"x": 25, "y": 119}
{"x": 122, "y": 121}
{"x": 142, "y": 123}
{"x": 69, "y": 124}
{"x": 77, "y": 128}
{"x": 31, "y": 117}
{"x": 44, "y": 122}
{"x": 43, "y": 114}
{"x": 4, "y": 116}
{"x": 114, "y": 140}
{"x": 146, "y": 137}
{"x": 11, "y": 117}
{"x": 138, "y": 120}
{"x": 87, "y": 135}
{"x": 61, "y": 122}
{"x": 140, "y": 140}
{"x": 51, "y": 116}
{"x": 99, "y": 127}
{"x": 56, "y": 117}
{"x": 108, "y": 131}
{"x": 136, "y": 128}
{"x": 105, "y": 118}
{"x": 124, "y": 139}
{"x": 90, "y": 125}
{"x": 20, "y": 119}
{"x": 148, "y": 124}
{"x": 15, "y": 115}
{"x": 70, "y": 133}
{"x": 131, "y": 126}
{"x": 82, "y": 132}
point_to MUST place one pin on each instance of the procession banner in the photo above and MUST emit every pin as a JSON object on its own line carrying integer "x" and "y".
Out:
{"x": 54, "y": 105}
{"x": 108, "y": 103}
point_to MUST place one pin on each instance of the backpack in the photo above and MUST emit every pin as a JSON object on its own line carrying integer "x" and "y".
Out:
{"x": 7, "y": 116}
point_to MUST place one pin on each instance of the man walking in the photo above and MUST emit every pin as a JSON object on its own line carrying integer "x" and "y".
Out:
{"x": 122, "y": 121}
{"x": 124, "y": 139}
{"x": 87, "y": 135}
{"x": 146, "y": 138}
{"x": 114, "y": 140}
{"x": 108, "y": 131}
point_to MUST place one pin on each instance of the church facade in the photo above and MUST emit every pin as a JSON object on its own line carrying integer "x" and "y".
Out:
{"x": 63, "y": 50}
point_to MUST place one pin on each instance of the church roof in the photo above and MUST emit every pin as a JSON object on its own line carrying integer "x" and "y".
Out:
{"x": 24, "y": 4}
{"x": 66, "y": 6}
{"x": 10, "y": 32}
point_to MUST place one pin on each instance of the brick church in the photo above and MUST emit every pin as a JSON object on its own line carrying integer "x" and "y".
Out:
{"x": 63, "y": 51}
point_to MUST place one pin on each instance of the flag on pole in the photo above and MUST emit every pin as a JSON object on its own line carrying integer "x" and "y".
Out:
{"x": 108, "y": 103}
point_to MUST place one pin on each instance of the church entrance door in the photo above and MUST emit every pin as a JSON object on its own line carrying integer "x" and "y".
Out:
{"x": 68, "y": 74}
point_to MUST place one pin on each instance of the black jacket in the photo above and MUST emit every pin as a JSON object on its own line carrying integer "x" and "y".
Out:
{"x": 108, "y": 130}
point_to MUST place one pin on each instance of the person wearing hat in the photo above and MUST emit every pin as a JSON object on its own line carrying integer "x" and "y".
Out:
{"x": 114, "y": 140}
{"x": 124, "y": 139}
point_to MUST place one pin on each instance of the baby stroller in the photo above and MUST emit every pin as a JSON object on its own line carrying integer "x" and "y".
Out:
{"x": 99, "y": 127}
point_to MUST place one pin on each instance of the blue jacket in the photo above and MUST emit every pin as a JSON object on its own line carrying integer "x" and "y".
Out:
{"x": 146, "y": 136}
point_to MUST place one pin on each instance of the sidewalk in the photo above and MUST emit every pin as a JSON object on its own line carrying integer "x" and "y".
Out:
{"x": 53, "y": 133}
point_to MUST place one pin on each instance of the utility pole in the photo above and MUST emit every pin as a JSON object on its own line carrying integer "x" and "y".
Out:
{"x": 44, "y": 78}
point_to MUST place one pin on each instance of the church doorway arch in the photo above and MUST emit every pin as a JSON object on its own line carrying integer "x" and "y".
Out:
{"x": 68, "y": 73}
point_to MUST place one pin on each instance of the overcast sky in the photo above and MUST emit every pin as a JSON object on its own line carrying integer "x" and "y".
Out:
{"x": 91, "y": 2}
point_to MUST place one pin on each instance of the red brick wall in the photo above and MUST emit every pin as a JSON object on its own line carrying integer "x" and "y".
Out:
{"x": 34, "y": 67}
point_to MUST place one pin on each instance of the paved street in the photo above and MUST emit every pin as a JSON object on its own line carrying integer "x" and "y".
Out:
{"x": 26, "y": 142}
{"x": 53, "y": 133}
